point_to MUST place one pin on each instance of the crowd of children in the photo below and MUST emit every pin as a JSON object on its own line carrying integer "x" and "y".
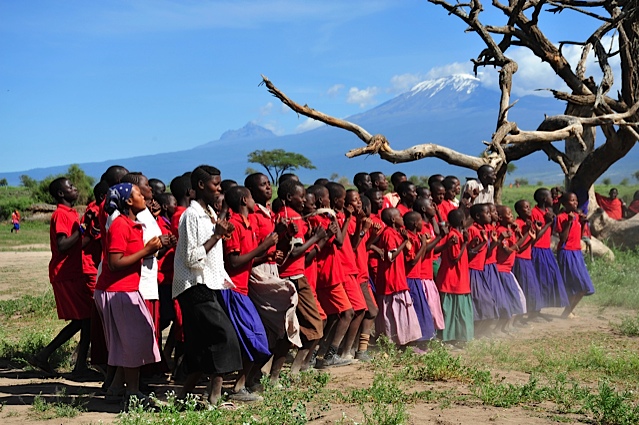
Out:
{"x": 241, "y": 279}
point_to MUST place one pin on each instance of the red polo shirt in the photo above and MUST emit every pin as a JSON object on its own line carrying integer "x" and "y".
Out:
{"x": 242, "y": 241}
{"x": 65, "y": 265}
{"x": 165, "y": 264}
{"x": 477, "y": 261}
{"x": 506, "y": 260}
{"x": 415, "y": 271}
{"x": 175, "y": 220}
{"x": 293, "y": 267}
{"x": 537, "y": 214}
{"x": 124, "y": 236}
{"x": 573, "y": 243}
{"x": 329, "y": 269}
{"x": 92, "y": 251}
{"x": 345, "y": 254}
{"x": 453, "y": 278}
{"x": 526, "y": 253}
{"x": 427, "y": 262}
{"x": 391, "y": 276}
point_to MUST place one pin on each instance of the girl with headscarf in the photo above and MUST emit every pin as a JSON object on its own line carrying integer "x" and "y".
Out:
{"x": 127, "y": 324}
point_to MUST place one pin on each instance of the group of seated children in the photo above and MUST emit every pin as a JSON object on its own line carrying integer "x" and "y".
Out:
{"x": 241, "y": 279}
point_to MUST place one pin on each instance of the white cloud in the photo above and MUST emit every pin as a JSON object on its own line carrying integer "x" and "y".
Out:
{"x": 335, "y": 90}
{"x": 364, "y": 97}
{"x": 449, "y": 69}
{"x": 404, "y": 82}
{"x": 307, "y": 125}
{"x": 266, "y": 109}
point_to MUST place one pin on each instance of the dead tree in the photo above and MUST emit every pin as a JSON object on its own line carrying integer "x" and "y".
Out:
{"x": 588, "y": 105}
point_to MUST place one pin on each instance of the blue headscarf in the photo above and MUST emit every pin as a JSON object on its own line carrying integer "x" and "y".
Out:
{"x": 117, "y": 197}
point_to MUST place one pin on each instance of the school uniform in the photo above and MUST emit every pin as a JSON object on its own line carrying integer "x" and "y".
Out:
{"x": 491, "y": 276}
{"x": 330, "y": 274}
{"x": 483, "y": 302}
{"x": 403, "y": 209}
{"x": 505, "y": 262}
{"x": 165, "y": 277}
{"x": 373, "y": 257}
{"x": 445, "y": 207}
{"x": 553, "y": 290}
{"x": 453, "y": 282}
{"x": 524, "y": 271}
{"x": 71, "y": 288}
{"x": 571, "y": 261}
{"x": 363, "y": 276}
{"x": 346, "y": 255}
{"x": 128, "y": 326}
{"x": 149, "y": 273}
{"x": 92, "y": 251}
{"x": 397, "y": 317}
{"x": 416, "y": 289}
{"x": 427, "y": 277}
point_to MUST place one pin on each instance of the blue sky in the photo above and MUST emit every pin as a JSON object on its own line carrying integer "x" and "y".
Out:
{"x": 84, "y": 81}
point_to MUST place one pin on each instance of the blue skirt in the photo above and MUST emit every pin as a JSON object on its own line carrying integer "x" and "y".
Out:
{"x": 502, "y": 301}
{"x": 420, "y": 303}
{"x": 524, "y": 271}
{"x": 551, "y": 283}
{"x": 483, "y": 301}
{"x": 511, "y": 288}
{"x": 575, "y": 274}
{"x": 248, "y": 325}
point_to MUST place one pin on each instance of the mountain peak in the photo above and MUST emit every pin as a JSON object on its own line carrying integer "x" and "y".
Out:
{"x": 249, "y": 131}
{"x": 456, "y": 82}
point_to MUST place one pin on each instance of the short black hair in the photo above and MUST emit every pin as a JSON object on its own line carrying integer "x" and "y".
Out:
{"x": 435, "y": 178}
{"x": 114, "y": 174}
{"x": 163, "y": 198}
{"x": 366, "y": 202}
{"x": 359, "y": 178}
{"x": 436, "y": 185}
{"x": 476, "y": 209}
{"x": 226, "y": 184}
{"x": 388, "y": 214}
{"x": 100, "y": 190}
{"x": 449, "y": 183}
{"x": 318, "y": 190}
{"x": 396, "y": 177}
{"x": 233, "y": 197}
{"x": 376, "y": 175}
{"x": 403, "y": 187}
{"x": 540, "y": 194}
{"x": 134, "y": 177}
{"x": 180, "y": 186}
{"x": 288, "y": 188}
{"x": 157, "y": 184}
{"x": 335, "y": 190}
{"x": 411, "y": 218}
{"x": 486, "y": 168}
{"x": 519, "y": 205}
{"x": 322, "y": 181}
{"x": 287, "y": 176}
{"x": 55, "y": 186}
{"x": 203, "y": 173}
{"x": 456, "y": 217}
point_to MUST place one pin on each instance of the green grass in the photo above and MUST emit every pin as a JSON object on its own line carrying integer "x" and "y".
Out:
{"x": 616, "y": 281}
{"x": 629, "y": 326}
{"x": 62, "y": 407}
{"x": 31, "y": 233}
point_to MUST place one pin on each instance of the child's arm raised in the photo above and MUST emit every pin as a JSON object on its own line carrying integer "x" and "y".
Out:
{"x": 563, "y": 233}
{"x": 363, "y": 224}
{"x": 419, "y": 255}
{"x": 300, "y": 249}
{"x": 392, "y": 255}
{"x": 462, "y": 248}
{"x": 118, "y": 261}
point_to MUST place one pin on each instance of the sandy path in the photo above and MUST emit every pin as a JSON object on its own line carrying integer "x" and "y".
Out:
{"x": 23, "y": 272}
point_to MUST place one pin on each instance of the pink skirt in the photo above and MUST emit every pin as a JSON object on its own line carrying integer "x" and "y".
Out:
{"x": 434, "y": 302}
{"x": 128, "y": 329}
{"x": 397, "y": 318}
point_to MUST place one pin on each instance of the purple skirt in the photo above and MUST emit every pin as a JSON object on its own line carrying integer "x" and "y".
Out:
{"x": 248, "y": 325}
{"x": 551, "y": 283}
{"x": 575, "y": 274}
{"x": 422, "y": 309}
{"x": 524, "y": 271}
{"x": 502, "y": 301}
{"x": 483, "y": 301}
{"x": 513, "y": 292}
{"x": 128, "y": 329}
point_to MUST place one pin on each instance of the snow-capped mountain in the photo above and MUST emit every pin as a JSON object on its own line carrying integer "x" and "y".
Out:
{"x": 457, "y": 112}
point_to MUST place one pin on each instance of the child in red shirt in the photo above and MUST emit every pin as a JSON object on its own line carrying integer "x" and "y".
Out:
{"x": 241, "y": 250}
{"x": 510, "y": 238}
{"x": 413, "y": 257}
{"x": 128, "y": 326}
{"x": 397, "y": 318}
{"x": 407, "y": 195}
{"x": 71, "y": 288}
{"x": 523, "y": 269}
{"x": 453, "y": 281}
{"x": 92, "y": 250}
{"x": 331, "y": 277}
{"x": 424, "y": 206}
{"x": 571, "y": 262}
{"x": 376, "y": 197}
{"x": 553, "y": 290}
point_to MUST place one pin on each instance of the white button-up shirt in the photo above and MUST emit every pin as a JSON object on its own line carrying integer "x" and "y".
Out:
{"x": 193, "y": 265}
{"x": 486, "y": 194}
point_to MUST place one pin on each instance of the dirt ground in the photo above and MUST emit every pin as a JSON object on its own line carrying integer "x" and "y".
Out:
{"x": 19, "y": 387}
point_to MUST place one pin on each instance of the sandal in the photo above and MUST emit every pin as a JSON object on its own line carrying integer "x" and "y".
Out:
{"x": 42, "y": 365}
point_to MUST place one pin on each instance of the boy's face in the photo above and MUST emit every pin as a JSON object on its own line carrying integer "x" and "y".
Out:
{"x": 398, "y": 220}
{"x": 296, "y": 199}
{"x": 158, "y": 187}
{"x": 145, "y": 189}
{"x": 438, "y": 195}
{"x": 506, "y": 216}
{"x": 613, "y": 193}
{"x": 170, "y": 206}
{"x": 364, "y": 183}
{"x": 265, "y": 192}
{"x": 410, "y": 194}
{"x": 484, "y": 216}
{"x": 353, "y": 198}
{"x": 571, "y": 203}
{"x": 424, "y": 193}
{"x": 377, "y": 200}
{"x": 339, "y": 201}
{"x": 419, "y": 225}
{"x": 309, "y": 203}
{"x": 217, "y": 204}
{"x": 493, "y": 214}
{"x": 524, "y": 210}
{"x": 324, "y": 200}
{"x": 68, "y": 191}
{"x": 457, "y": 186}
{"x": 381, "y": 183}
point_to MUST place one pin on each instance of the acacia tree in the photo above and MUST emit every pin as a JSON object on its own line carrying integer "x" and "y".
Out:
{"x": 588, "y": 104}
{"x": 279, "y": 161}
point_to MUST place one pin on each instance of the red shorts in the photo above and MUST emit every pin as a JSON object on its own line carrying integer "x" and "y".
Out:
{"x": 334, "y": 299}
{"x": 154, "y": 310}
{"x": 177, "y": 322}
{"x": 73, "y": 298}
{"x": 354, "y": 293}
